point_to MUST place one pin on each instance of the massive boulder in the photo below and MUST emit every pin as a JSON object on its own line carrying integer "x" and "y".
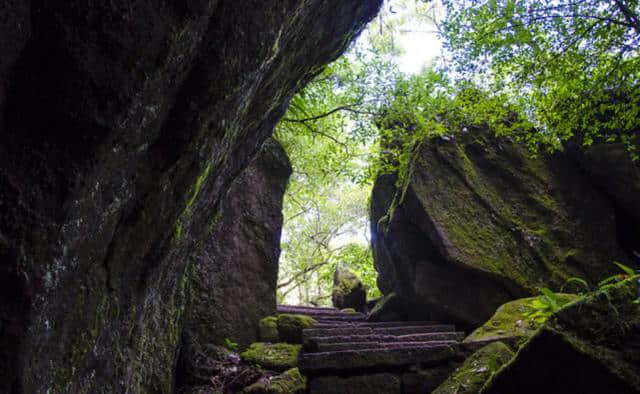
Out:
{"x": 122, "y": 126}
{"x": 477, "y": 222}
{"x": 234, "y": 284}
{"x": 592, "y": 346}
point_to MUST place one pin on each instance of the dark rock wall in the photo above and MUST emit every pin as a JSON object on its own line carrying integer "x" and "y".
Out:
{"x": 122, "y": 125}
{"x": 477, "y": 222}
{"x": 234, "y": 283}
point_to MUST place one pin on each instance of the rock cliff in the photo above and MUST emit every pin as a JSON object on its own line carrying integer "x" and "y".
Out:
{"x": 122, "y": 126}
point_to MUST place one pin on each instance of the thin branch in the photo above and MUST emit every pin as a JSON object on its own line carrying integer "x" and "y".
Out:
{"x": 629, "y": 15}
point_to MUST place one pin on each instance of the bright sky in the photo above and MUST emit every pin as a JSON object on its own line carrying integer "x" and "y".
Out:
{"x": 420, "y": 48}
{"x": 413, "y": 31}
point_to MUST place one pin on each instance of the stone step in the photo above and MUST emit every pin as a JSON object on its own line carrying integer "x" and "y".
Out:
{"x": 339, "y": 319}
{"x": 391, "y": 357}
{"x": 335, "y": 347}
{"x": 358, "y": 324}
{"x": 303, "y": 307}
{"x": 400, "y": 330}
{"x": 313, "y": 342}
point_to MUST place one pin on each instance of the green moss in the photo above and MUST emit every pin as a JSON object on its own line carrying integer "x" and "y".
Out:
{"x": 348, "y": 310}
{"x": 511, "y": 321}
{"x": 476, "y": 370}
{"x": 273, "y": 356}
{"x": 269, "y": 329}
{"x": 290, "y": 326}
{"x": 198, "y": 185}
{"x": 290, "y": 382}
{"x": 598, "y": 333}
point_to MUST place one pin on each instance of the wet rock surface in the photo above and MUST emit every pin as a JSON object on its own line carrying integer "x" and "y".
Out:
{"x": 122, "y": 127}
{"x": 476, "y": 222}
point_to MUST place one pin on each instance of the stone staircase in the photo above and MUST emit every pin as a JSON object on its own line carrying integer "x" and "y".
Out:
{"x": 344, "y": 353}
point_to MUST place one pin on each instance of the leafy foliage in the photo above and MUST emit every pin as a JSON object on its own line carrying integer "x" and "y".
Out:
{"x": 572, "y": 66}
{"x": 545, "y": 305}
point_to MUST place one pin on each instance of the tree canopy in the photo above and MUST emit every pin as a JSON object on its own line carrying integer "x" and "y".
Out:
{"x": 571, "y": 65}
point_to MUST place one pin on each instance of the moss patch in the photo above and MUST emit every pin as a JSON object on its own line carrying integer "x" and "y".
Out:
{"x": 289, "y": 382}
{"x": 276, "y": 356}
{"x": 290, "y": 326}
{"x": 511, "y": 321}
{"x": 476, "y": 370}
{"x": 269, "y": 329}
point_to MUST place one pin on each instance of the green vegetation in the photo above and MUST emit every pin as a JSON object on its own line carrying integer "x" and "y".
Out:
{"x": 545, "y": 305}
{"x": 290, "y": 327}
{"x": 573, "y": 66}
{"x": 476, "y": 370}
{"x": 544, "y": 73}
{"x": 274, "y": 356}
{"x": 289, "y": 382}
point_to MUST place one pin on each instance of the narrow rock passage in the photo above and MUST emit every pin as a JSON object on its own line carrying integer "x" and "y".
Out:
{"x": 345, "y": 353}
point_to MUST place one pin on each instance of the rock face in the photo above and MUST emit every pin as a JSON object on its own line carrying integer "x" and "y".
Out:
{"x": 234, "y": 283}
{"x": 348, "y": 291}
{"x": 122, "y": 127}
{"x": 478, "y": 222}
{"x": 591, "y": 346}
{"x": 476, "y": 370}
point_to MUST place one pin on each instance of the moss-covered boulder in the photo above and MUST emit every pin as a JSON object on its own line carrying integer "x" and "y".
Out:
{"x": 475, "y": 222}
{"x": 289, "y": 382}
{"x": 476, "y": 370}
{"x": 274, "y": 356}
{"x": 511, "y": 321}
{"x": 590, "y": 347}
{"x": 348, "y": 291}
{"x": 290, "y": 326}
{"x": 268, "y": 328}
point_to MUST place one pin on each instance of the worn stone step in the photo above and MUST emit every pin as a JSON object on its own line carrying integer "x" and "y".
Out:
{"x": 335, "y": 347}
{"x": 401, "y": 330}
{"x": 303, "y": 309}
{"x": 338, "y": 319}
{"x": 358, "y": 324}
{"x": 391, "y": 357}
{"x": 312, "y": 343}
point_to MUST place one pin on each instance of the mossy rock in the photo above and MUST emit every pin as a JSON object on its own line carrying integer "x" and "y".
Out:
{"x": 289, "y": 382}
{"x": 348, "y": 310}
{"x": 269, "y": 329}
{"x": 475, "y": 221}
{"x": 290, "y": 326}
{"x": 511, "y": 321}
{"x": 476, "y": 370}
{"x": 348, "y": 291}
{"x": 588, "y": 347}
{"x": 273, "y": 356}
